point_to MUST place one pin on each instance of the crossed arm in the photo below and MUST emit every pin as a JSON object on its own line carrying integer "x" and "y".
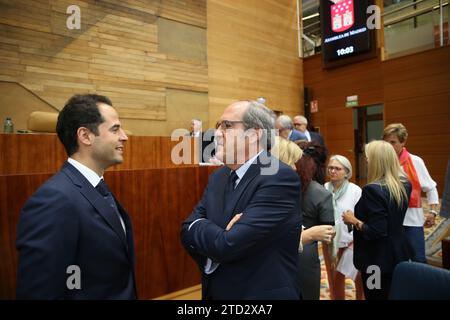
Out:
{"x": 266, "y": 216}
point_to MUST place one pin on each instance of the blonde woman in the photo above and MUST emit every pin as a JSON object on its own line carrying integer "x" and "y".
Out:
{"x": 345, "y": 196}
{"x": 286, "y": 151}
{"x": 380, "y": 241}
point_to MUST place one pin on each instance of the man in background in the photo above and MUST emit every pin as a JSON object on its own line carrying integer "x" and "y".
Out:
{"x": 301, "y": 124}
{"x": 202, "y": 141}
{"x": 196, "y": 128}
{"x": 286, "y": 129}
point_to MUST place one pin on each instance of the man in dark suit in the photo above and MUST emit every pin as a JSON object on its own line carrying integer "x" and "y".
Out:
{"x": 301, "y": 124}
{"x": 286, "y": 129}
{"x": 245, "y": 231}
{"x": 75, "y": 240}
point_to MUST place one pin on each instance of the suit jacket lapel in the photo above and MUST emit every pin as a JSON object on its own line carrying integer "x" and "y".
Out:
{"x": 96, "y": 200}
{"x": 129, "y": 229}
{"x": 253, "y": 171}
{"x": 219, "y": 197}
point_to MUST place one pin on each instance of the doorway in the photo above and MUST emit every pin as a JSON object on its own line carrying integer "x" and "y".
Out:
{"x": 368, "y": 125}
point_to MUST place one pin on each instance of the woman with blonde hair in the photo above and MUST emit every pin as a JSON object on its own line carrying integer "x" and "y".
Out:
{"x": 286, "y": 151}
{"x": 380, "y": 241}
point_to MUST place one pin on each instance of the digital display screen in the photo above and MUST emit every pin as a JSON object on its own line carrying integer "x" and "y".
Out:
{"x": 344, "y": 29}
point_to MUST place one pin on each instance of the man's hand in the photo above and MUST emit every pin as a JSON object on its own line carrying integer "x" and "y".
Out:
{"x": 233, "y": 221}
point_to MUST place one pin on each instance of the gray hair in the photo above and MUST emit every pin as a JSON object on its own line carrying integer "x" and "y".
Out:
{"x": 285, "y": 122}
{"x": 302, "y": 119}
{"x": 345, "y": 163}
{"x": 258, "y": 116}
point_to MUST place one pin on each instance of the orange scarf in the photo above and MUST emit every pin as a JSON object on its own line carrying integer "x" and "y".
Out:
{"x": 408, "y": 167}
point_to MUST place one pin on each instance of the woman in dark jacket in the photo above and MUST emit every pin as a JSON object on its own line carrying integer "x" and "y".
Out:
{"x": 379, "y": 239}
{"x": 317, "y": 209}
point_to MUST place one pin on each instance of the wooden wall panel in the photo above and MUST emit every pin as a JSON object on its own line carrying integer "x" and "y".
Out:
{"x": 331, "y": 87}
{"x": 158, "y": 200}
{"x": 14, "y": 97}
{"x": 43, "y": 153}
{"x": 417, "y": 93}
{"x": 14, "y": 191}
{"x": 252, "y": 52}
{"x": 115, "y": 53}
{"x": 187, "y": 11}
{"x": 413, "y": 89}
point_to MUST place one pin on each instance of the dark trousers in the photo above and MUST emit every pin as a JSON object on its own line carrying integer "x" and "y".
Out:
{"x": 309, "y": 272}
{"x": 377, "y": 294}
{"x": 416, "y": 239}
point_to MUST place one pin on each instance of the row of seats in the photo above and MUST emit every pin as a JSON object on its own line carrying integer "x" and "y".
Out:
{"x": 419, "y": 281}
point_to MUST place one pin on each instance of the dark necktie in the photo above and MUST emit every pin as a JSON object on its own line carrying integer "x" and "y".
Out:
{"x": 103, "y": 189}
{"x": 228, "y": 202}
{"x": 232, "y": 180}
{"x": 231, "y": 185}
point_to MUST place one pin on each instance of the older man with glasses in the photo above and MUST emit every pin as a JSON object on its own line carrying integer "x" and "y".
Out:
{"x": 244, "y": 233}
{"x": 286, "y": 129}
{"x": 301, "y": 124}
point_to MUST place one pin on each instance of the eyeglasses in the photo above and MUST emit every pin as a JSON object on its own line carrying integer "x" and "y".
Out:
{"x": 337, "y": 169}
{"x": 227, "y": 124}
{"x": 299, "y": 124}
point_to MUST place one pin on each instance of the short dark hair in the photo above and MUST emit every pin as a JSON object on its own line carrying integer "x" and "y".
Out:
{"x": 80, "y": 111}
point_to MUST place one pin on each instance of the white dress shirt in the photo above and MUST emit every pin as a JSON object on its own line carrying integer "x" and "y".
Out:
{"x": 308, "y": 135}
{"x": 195, "y": 134}
{"x": 290, "y": 134}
